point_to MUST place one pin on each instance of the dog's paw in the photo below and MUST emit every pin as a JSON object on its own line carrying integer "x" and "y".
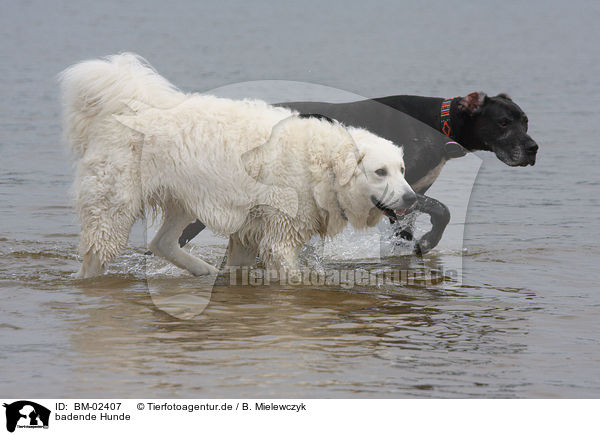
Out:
{"x": 204, "y": 269}
{"x": 422, "y": 247}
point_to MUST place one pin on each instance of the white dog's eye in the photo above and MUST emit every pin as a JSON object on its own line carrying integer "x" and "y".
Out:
{"x": 402, "y": 170}
{"x": 382, "y": 172}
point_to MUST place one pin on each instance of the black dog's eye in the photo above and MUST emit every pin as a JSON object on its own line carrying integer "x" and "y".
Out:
{"x": 382, "y": 172}
{"x": 505, "y": 122}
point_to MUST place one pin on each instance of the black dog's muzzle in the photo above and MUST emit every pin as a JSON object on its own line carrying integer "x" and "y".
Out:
{"x": 531, "y": 150}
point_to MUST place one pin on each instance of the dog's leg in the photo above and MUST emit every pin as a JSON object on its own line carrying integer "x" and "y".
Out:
{"x": 239, "y": 254}
{"x": 107, "y": 208}
{"x": 191, "y": 231}
{"x": 404, "y": 228}
{"x": 279, "y": 256}
{"x": 405, "y": 234}
{"x": 439, "y": 217}
{"x": 91, "y": 266}
{"x": 165, "y": 244}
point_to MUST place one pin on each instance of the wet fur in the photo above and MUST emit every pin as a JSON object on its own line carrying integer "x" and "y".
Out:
{"x": 262, "y": 174}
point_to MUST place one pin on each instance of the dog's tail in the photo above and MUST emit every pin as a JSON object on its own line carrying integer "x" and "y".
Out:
{"x": 96, "y": 89}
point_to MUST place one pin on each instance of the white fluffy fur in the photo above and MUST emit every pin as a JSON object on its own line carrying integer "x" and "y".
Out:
{"x": 259, "y": 174}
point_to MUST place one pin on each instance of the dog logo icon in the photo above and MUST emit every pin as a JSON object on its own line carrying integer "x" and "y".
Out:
{"x": 26, "y": 414}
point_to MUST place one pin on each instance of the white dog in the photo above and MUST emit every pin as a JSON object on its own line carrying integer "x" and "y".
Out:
{"x": 264, "y": 176}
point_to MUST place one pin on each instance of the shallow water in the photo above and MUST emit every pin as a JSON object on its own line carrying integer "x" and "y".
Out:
{"x": 521, "y": 319}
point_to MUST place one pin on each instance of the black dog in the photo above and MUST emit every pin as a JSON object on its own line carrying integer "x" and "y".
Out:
{"x": 477, "y": 122}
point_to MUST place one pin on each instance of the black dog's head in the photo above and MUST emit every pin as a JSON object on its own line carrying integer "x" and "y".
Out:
{"x": 497, "y": 124}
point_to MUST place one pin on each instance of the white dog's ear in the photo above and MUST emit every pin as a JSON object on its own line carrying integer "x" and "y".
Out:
{"x": 360, "y": 158}
{"x": 345, "y": 167}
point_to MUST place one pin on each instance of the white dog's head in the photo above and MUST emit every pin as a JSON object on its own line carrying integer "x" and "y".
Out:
{"x": 358, "y": 176}
{"x": 377, "y": 186}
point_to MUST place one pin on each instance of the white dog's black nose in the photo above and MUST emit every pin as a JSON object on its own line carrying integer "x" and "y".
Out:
{"x": 409, "y": 199}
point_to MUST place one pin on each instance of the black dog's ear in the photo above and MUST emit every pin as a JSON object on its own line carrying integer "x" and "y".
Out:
{"x": 316, "y": 115}
{"x": 503, "y": 95}
{"x": 472, "y": 103}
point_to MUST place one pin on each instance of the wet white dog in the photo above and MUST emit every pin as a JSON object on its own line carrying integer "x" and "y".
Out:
{"x": 265, "y": 177}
